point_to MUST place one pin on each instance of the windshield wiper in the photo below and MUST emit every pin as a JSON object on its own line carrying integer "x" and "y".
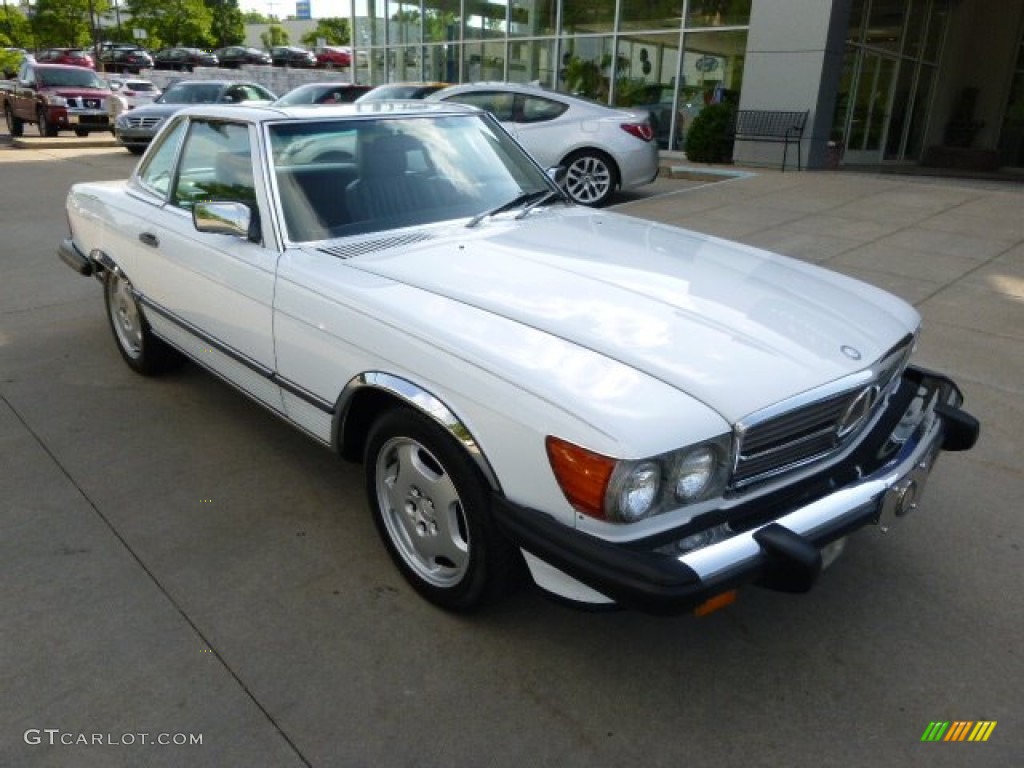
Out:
{"x": 520, "y": 199}
{"x": 540, "y": 201}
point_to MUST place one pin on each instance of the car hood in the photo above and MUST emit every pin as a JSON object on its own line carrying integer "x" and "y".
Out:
{"x": 76, "y": 92}
{"x": 158, "y": 110}
{"x": 732, "y": 326}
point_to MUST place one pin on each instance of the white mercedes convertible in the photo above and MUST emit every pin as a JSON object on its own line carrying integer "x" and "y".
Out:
{"x": 632, "y": 413}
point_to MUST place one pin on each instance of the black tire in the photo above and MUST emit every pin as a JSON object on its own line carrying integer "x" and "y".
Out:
{"x": 135, "y": 149}
{"x": 432, "y": 509}
{"x": 591, "y": 177}
{"x": 15, "y": 125}
{"x": 80, "y": 132}
{"x": 46, "y": 128}
{"x": 142, "y": 351}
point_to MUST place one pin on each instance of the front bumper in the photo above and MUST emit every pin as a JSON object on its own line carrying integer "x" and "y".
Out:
{"x": 80, "y": 117}
{"x": 783, "y": 552}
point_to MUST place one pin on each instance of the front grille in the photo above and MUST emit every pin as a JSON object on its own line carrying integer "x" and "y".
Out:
{"x": 142, "y": 122}
{"x": 771, "y": 443}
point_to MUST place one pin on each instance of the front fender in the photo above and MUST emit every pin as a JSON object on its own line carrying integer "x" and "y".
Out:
{"x": 367, "y": 394}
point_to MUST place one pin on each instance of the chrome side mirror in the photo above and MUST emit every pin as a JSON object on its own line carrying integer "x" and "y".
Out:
{"x": 224, "y": 218}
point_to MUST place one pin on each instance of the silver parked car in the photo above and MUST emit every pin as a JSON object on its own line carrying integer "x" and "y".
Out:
{"x": 603, "y": 149}
{"x": 135, "y": 129}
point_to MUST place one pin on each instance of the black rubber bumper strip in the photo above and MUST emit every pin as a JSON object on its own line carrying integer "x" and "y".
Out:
{"x": 644, "y": 580}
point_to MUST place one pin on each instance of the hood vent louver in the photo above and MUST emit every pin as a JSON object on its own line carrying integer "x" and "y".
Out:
{"x": 361, "y": 248}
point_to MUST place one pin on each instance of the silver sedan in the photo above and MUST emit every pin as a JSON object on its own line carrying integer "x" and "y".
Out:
{"x": 601, "y": 148}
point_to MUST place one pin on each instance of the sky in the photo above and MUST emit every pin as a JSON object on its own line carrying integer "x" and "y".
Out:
{"x": 319, "y": 8}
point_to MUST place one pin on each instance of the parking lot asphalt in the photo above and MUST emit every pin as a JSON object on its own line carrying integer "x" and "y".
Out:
{"x": 179, "y": 566}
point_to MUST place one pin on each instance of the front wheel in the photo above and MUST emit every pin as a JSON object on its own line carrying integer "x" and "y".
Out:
{"x": 591, "y": 177}
{"x": 143, "y": 352}
{"x": 46, "y": 128}
{"x": 432, "y": 509}
{"x": 81, "y": 132}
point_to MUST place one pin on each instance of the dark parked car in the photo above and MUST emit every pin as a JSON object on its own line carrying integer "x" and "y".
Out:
{"x": 135, "y": 129}
{"x": 183, "y": 59}
{"x": 125, "y": 58}
{"x": 291, "y": 56}
{"x": 74, "y": 57}
{"x": 234, "y": 56}
{"x": 322, "y": 93}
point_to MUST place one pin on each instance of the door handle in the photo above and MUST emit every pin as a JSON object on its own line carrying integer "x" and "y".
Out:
{"x": 149, "y": 239}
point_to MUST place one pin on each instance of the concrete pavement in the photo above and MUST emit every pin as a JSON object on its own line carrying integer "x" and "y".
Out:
{"x": 178, "y": 564}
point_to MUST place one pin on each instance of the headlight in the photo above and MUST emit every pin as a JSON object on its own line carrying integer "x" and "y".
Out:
{"x": 624, "y": 491}
{"x": 694, "y": 473}
{"x": 122, "y": 121}
{"x": 56, "y": 101}
{"x": 637, "y": 491}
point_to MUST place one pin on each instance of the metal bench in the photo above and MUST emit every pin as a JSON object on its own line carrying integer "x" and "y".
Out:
{"x": 767, "y": 125}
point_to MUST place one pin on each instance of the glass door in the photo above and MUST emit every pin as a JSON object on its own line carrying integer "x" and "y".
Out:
{"x": 870, "y": 107}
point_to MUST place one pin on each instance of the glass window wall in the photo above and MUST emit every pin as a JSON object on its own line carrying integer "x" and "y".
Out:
{"x": 718, "y": 13}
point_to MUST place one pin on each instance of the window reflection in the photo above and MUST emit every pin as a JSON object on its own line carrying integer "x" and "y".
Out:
{"x": 718, "y": 13}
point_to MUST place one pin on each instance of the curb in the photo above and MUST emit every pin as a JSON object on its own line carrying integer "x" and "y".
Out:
{"x": 78, "y": 142}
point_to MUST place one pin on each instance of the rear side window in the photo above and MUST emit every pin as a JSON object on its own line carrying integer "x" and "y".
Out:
{"x": 537, "y": 109}
{"x": 501, "y": 105}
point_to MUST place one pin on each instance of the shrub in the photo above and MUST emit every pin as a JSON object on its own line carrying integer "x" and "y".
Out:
{"x": 707, "y": 140}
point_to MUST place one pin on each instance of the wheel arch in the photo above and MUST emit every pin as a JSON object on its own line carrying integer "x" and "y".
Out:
{"x": 370, "y": 394}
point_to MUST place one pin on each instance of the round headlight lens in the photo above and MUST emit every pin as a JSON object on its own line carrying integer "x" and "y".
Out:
{"x": 695, "y": 473}
{"x": 639, "y": 491}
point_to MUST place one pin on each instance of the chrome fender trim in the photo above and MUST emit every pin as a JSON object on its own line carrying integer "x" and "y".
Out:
{"x": 423, "y": 401}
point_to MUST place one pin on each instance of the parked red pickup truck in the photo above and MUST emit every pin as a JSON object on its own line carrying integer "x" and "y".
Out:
{"x": 56, "y": 97}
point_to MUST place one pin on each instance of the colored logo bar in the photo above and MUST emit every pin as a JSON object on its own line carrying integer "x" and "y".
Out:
{"x": 959, "y": 730}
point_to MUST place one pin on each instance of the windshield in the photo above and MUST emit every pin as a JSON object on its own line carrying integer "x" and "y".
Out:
{"x": 191, "y": 93}
{"x": 352, "y": 176}
{"x": 70, "y": 78}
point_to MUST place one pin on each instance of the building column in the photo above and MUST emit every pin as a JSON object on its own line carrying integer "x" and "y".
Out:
{"x": 794, "y": 62}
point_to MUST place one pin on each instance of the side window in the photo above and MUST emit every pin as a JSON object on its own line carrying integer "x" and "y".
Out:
{"x": 157, "y": 168}
{"x": 498, "y": 104}
{"x": 216, "y": 164}
{"x": 537, "y": 109}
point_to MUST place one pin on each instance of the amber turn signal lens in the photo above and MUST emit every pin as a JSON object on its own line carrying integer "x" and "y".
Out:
{"x": 713, "y": 604}
{"x": 582, "y": 475}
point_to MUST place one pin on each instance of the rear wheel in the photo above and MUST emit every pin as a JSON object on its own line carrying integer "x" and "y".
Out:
{"x": 432, "y": 509}
{"x": 134, "y": 149}
{"x": 15, "y": 125}
{"x": 143, "y": 352}
{"x": 81, "y": 131}
{"x": 591, "y": 177}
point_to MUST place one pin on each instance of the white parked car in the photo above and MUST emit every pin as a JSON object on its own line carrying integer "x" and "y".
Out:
{"x": 601, "y": 148}
{"x": 641, "y": 415}
{"x": 128, "y": 93}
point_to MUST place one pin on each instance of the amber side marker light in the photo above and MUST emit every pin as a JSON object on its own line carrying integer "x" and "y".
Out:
{"x": 713, "y": 604}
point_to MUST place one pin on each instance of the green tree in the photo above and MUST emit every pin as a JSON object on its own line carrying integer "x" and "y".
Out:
{"x": 15, "y": 31}
{"x": 334, "y": 30}
{"x": 66, "y": 22}
{"x": 255, "y": 17}
{"x": 227, "y": 26}
{"x": 274, "y": 36}
{"x": 172, "y": 22}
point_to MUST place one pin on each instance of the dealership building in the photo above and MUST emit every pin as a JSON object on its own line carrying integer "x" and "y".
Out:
{"x": 886, "y": 82}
